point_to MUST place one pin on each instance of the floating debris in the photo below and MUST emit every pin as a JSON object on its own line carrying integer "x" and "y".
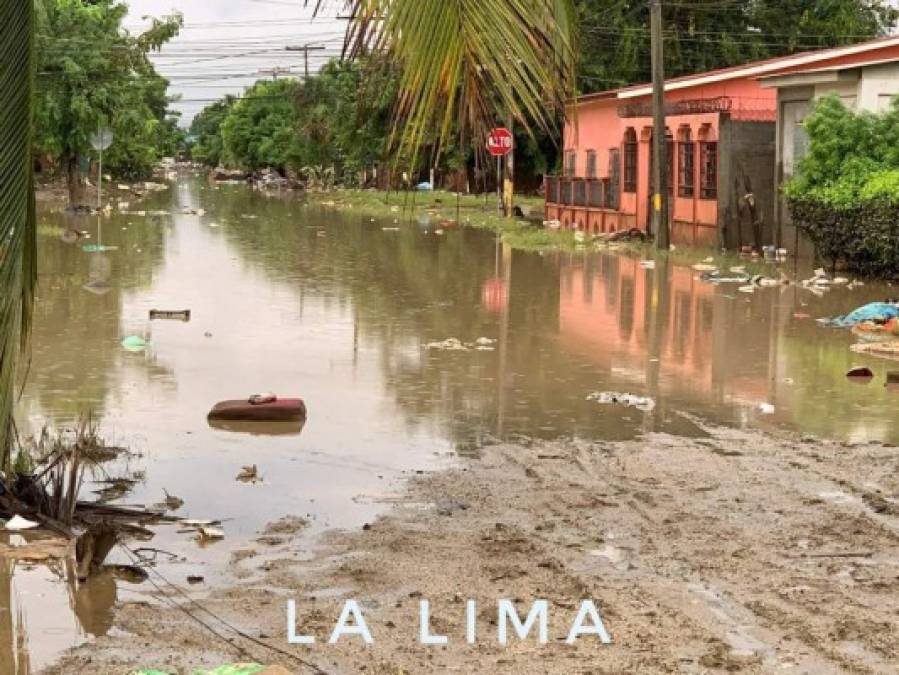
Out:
{"x": 249, "y": 474}
{"x": 134, "y": 343}
{"x": 643, "y": 403}
{"x": 174, "y": 314}
{"x": 17, "y": 523}
{"x": 766, "y": 409}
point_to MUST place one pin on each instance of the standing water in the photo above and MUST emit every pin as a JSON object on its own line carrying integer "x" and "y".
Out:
{"x": 354, "y": 316}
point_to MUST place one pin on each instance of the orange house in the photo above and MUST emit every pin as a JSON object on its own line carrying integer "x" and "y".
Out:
{"x": 722, "y": 138}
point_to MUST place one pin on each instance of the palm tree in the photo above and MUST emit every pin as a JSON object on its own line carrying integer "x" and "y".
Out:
{"x": 468, "y": 64}
{"x": 18, "y": 241}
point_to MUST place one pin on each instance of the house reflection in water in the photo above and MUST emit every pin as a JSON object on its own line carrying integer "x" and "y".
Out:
{"x": 666, "y": 332}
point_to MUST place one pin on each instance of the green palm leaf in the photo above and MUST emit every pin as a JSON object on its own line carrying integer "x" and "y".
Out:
{"x": 468, "y": 64}
{"x": 18, "y": 241}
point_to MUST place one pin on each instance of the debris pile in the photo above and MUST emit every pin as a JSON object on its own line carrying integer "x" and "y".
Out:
{"x": 643, "y": 403}
{"x": 482, "y": 344}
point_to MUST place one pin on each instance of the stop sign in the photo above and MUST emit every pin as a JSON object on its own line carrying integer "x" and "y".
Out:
{"x": 499, "y": 142}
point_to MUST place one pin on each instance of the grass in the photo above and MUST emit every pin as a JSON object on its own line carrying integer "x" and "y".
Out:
{"x": 527, "y": 235}
{"x": 473, "y": 210}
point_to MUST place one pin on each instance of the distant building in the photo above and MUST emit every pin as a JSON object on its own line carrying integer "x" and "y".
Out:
{"x": 724, "y": 149}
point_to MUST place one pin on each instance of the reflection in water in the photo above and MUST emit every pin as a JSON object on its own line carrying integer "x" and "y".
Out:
{"x": 329, "y": 306}
{"x": 282, "y": 428}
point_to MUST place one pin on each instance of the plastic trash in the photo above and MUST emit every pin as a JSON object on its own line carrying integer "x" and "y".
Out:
{"x": 861, "y": 373}
{"x": 875, "y": 311}
{"x": 766, "y": 408}
{"x": 643, "y": 403}
{"x": 134, "y": 343}
{"x": 424, "y": 187}
{"x": 17, "y": 522}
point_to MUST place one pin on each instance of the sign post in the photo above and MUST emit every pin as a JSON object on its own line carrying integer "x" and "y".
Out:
{"x": 501, "y": 143}
{"x": 100, "y": 141}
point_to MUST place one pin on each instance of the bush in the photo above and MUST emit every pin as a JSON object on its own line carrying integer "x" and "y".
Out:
{"x": 864, "y": 237}
{"x": 845, "y": 195}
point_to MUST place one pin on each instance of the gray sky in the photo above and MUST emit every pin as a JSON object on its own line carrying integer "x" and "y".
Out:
{"x": 225, "y": 43}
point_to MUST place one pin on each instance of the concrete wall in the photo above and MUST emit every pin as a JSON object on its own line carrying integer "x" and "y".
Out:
{"x": 878, "y": 85}
{"x": 748, "y": 153}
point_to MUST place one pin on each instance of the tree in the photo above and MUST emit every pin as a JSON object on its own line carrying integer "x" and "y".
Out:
{"x": 92, "y": 73}
{"x": 707, "y": 35}
{"x": 206, "y": 130}
{"x": 18, "y": 238}
{"x": 466, "y": 65}
{"x": 258, "y": 131}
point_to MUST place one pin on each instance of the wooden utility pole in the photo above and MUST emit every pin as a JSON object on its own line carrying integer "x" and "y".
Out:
{"x": 509, "y": 182}
{"x": 305, "y": 49}
{"x": 659, "y": 140}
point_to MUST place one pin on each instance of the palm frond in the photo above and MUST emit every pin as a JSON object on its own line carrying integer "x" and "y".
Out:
{"x": 468, "y": 64}
{"x": 18, "y": 239}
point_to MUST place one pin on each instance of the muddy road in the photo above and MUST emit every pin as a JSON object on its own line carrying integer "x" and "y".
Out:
{"x": 736, "y": 552}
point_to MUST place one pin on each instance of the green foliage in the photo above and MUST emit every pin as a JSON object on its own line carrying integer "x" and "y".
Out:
{"x": 338, "y": 117}
{"x": 703, "y": 36}
{"x": 846, "y": 191}
{"x": 258, "y": 131}
{"x": 90, "y": 73}
{"x": 206, "y": 129}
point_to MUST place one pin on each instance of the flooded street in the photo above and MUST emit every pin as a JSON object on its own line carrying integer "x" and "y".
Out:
{"x": 341, "y": 310}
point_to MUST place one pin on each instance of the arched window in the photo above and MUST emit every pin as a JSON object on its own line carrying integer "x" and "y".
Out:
{"x": 630, "y": 160}
{"x": 708, "y": 163}
{"x": 686, "y": 165}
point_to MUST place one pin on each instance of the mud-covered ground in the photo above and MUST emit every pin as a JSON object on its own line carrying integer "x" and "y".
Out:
{"x": 737, "y": 552}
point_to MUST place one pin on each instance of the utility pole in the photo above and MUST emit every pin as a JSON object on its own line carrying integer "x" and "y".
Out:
{"x": 509, "y": 182}
{"x": 659, "y": 140}
{"x": 305, "y": 49}
{"x": 274, "y": 72}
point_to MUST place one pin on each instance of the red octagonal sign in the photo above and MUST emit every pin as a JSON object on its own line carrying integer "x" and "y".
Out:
{"x": 499, "y": 142}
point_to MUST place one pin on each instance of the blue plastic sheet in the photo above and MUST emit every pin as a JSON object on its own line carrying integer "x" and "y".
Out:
{"x": 876, "y": 311}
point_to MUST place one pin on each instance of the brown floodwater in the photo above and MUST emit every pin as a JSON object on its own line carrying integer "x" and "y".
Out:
{"x": 332, "y": 307}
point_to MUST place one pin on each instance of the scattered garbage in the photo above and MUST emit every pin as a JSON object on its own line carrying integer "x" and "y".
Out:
{"x": 892, "y": 380}
{"x": 890, "y": 349}
{"x": 17, "y": 523}
{"x": 482, "y": 344}
{"x": 98, "y": 248}
{"x": 173, "y": 314}
{"x": 643, "y": 403}
{"x": 193, "y": 579}
{"x": 134, "y": 343}
{"x": 879, "y": 312}
{"x": 211, "y": 533}
{"x": 874, "y": 331}
{"x": 648, "y": 264}
{"x": 259, "y": 399}
{"x": 862, "y": 371}
{"x": 705, "y": 267}
{"x": 766, "y": 409}
{"x": 249, "y": 474}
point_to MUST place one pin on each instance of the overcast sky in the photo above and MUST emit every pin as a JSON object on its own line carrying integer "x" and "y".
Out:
{"x": 225, "y": 43}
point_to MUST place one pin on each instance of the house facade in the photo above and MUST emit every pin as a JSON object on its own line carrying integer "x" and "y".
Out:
{"x": 723, "y": 152}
